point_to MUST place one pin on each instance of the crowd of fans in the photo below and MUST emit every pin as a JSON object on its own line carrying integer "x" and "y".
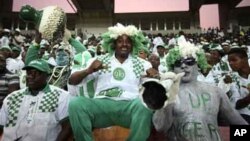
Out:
{"x": 226, "y": 70}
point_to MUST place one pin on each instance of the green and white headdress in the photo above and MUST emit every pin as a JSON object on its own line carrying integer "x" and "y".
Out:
{"x": 187, "y": 50}
{"x": 50, "y": 21}
{"x": 115, "y": 31}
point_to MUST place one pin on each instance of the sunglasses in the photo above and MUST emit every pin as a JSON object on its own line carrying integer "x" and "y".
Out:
{"x": 188, "y": 61}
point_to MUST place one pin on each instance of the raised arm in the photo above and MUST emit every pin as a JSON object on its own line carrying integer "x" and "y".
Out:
{"x": 79, "y": 47}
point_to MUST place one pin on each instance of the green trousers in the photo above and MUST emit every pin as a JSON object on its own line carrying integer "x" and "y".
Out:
{"x": 86, "y": 114}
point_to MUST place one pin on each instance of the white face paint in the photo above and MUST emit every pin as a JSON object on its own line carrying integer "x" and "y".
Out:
{"x": 189, "y": 68}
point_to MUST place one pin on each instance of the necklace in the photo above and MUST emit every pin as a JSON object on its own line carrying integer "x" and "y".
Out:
{"x": 57, "y": 73}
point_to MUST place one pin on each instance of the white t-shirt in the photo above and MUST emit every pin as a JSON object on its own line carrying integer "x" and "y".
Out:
{"x": 122, "y": 78}
{"x": 34, "y": 118}
{"x": 14, "y": 65}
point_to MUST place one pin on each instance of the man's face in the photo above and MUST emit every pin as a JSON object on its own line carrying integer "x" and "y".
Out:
{"x": 188, "y": 66}
{"x": 2, "y": 63}
{"x": 155, "y": 61}
{"x": 35, "y": 79}
{"x": 215, "y": 55}
{"x": 226, "y": 48}
{"x": 123, "y": 46}
{"x": 161, "y": 51}
{"x": 142, "y": 54}
{"x": 235, "y": 62}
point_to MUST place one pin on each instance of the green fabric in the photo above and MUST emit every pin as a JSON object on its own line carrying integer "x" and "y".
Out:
{"x": 100, "y": 113}
{"x": 30, "y": 14}
{"x": 81, "y": 91}
{"x": 112, "y": 92}
{"x": 40, "y": 65}
{"x": 91, "y": 88}
{"x": 81, "y": 59}
{"x": 137, "y": 40}
{"x": 16, "y": 49}
{"x": 14, "y": 104}
{"x": 174, "y": 54}
{"x": 32, "y": 53}
{"x": 49, "y": 101}
{"x": 6, "y": 47}
{"x": 33, "y": 50}
{"x": 79, "y": 47}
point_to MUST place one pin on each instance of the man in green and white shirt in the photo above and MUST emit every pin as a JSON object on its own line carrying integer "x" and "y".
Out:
{"x": 116, "y": 101}
{"x": 162, "y": 52}
{"x": 38, "y": 112}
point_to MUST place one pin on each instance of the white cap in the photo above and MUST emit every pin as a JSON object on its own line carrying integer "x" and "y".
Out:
{"x": 6, "y": 30}
{"x": 225, "y": 44}
{"x": 18, "y": 30}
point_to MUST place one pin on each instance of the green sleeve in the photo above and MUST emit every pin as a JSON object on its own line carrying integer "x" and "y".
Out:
{"x": 79, "y": 47}
{"x": 32, "y": 53}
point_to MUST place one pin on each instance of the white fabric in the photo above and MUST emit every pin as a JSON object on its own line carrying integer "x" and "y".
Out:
{"x": 163, "y": 65}
{"x": 4, "y": 41}
{"x": 240, "y": 92}
{"x": 129, "y": 85}
{"x": 157, "y": 41}
{"x": 75, "y": 90}
{"x": 33, "y": 125}
{"x": 14, "y": 65}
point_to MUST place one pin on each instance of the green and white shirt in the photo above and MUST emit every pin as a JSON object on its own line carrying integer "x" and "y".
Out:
{"x": 86, "y": 88}
{"x": 239, "y": 90}
{"x": 34, "y": 118}
{"x": 118, "y": 81}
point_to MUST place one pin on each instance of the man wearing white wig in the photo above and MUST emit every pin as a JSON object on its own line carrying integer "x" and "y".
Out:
{"x": 194, "y": 114}
{"x": 116, "y": 100}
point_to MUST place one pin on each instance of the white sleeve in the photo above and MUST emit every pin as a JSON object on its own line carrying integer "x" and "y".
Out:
{"x": 62, "y": 110}
{"x": 235, "y": 95}
{"x": 4, "y": 113}
{"x": 90, "y": 76}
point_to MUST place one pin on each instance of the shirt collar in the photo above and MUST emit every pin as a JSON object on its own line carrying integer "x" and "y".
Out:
{"x": 45, "y": 90}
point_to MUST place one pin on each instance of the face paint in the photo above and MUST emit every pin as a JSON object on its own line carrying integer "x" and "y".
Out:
{"x": 62, "y": 58}
{"x": 188, "y": 66}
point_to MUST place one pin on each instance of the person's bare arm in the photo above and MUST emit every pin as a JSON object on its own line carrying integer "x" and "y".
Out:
{"x": 78, "y": 76}
{"x": 163, "y": 118}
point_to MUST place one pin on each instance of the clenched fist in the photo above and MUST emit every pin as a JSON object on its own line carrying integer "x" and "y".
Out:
{"x": 96, "y": 66}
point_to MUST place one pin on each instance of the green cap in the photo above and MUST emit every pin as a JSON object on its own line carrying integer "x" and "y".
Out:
{"x": 30, "y": 14}
{"x": 6, "y": 47}
{"x": 14, "y": 48}
{"x": 215, "y": 47}
{"x": 38, "y": 64}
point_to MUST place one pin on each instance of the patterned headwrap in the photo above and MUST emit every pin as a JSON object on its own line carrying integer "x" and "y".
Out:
{"x": 115, "y": 31}
{"x": 187, "y": 50}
